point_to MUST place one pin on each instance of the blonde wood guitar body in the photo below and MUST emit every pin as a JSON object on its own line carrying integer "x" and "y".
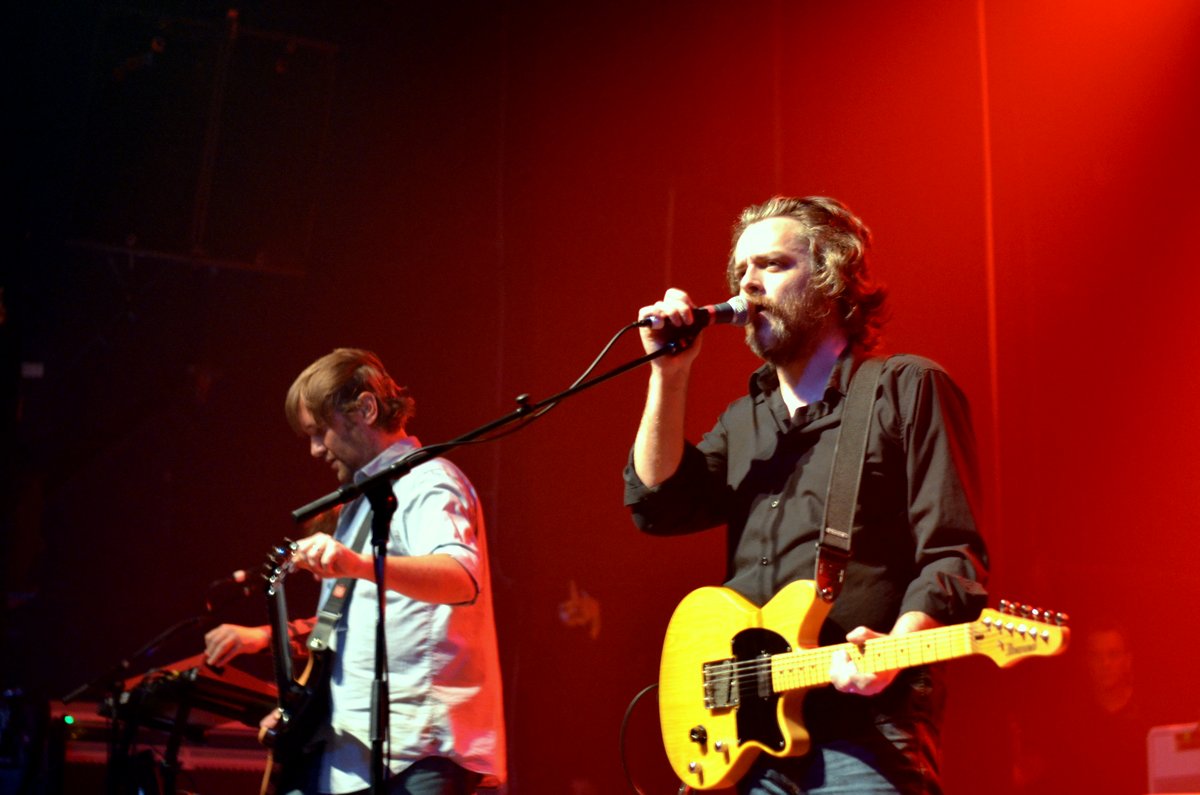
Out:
{"x": 733, "y": 676}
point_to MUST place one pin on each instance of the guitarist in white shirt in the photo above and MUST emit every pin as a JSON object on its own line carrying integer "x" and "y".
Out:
{"x": 446, "y": 729}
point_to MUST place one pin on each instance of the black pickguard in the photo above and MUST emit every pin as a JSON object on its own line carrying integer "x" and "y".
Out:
{"x": 756, "y": 712}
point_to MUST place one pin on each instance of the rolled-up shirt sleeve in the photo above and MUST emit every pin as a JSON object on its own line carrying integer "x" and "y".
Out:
{"x": 693, "y": 498}
{"x": 441, "y": 520}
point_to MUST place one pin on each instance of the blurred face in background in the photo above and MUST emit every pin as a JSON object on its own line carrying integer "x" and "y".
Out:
{"x": 1109, "y": 660}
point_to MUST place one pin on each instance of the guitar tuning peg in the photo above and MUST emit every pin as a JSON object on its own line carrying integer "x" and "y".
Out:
{"x": 1060, "y": 619}
{"x": 1005, "y": 606}
{"x": 1025, "y": 611}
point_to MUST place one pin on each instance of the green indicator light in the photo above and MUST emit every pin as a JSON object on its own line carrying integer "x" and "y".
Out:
{"x": 68, "y": 719}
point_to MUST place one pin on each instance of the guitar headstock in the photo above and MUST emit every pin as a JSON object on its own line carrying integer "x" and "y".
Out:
{"x": 281, "y": 559}
{"x": 1016, "y": 631}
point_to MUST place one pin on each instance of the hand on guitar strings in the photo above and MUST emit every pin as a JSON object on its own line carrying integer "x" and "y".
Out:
{"x": 844, "y": 674}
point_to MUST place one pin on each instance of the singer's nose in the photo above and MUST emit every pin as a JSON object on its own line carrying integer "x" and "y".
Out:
{"x": 749, "y": 283}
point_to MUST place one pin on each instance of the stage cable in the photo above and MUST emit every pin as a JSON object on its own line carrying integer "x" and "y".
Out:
{"x": 621, "y": 738}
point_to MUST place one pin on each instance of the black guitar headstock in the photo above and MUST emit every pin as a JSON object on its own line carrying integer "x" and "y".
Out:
{"x": 281, "y": 559}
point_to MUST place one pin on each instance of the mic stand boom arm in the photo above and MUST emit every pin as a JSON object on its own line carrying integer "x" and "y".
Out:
{"x": 405, "y": 465}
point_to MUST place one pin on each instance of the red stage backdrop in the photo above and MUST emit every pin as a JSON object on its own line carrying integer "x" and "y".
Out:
{"x": 484, "y": 194}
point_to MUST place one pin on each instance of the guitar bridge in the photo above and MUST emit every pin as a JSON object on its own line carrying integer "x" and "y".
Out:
{"x": 720, "y": 690}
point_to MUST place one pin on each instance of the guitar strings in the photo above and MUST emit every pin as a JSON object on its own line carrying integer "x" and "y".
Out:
{"x": 817, "y": 660}
{"x": 811, "y": 665}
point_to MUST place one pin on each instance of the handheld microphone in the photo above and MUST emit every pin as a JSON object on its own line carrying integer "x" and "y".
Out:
{"x": 735, "y": 311}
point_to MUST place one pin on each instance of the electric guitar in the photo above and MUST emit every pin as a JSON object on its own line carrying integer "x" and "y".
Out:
{"x": 733, "y": 676}
{"x": 303, "y": 700}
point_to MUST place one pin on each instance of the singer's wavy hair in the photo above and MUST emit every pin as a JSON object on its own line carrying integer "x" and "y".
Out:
{"x": 334, "y": 382}
{"x": 838, "y": 243}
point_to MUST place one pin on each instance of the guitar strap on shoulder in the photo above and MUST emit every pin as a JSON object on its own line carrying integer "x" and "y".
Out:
{"x": 331, "y": 611}
{"x": 833, "y": 546}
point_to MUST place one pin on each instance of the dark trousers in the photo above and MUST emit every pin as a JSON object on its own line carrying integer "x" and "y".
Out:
{"x": 895, "y": 761}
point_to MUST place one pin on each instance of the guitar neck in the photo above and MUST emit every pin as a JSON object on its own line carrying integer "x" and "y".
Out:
{"x": 281, "y": 651}
{"x": 810, "y": 667}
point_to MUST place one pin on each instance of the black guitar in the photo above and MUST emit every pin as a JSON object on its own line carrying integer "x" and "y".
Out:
{"x": 303, "y": 700}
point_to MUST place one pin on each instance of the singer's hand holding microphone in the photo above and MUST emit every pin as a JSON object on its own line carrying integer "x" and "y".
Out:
{"x": 675, "y": 318}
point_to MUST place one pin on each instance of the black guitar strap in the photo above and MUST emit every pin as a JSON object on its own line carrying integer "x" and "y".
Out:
{"x": 833, "y": 546}
{"x": 331, "y": 611}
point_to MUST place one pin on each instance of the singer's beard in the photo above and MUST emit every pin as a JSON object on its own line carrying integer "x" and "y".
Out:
{"x": 791, "y": 328}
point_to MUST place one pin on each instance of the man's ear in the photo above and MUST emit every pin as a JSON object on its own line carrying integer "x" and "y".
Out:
{"x": 368, "y": 407}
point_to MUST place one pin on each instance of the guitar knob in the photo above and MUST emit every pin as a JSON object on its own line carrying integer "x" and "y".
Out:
{"x": 698, "y": 734}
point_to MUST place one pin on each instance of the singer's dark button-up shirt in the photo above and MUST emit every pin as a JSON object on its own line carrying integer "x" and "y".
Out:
{"x": 764, "y": 474}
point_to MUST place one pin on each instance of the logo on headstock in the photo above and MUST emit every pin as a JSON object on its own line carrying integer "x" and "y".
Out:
{"x": 1017, "y": 648}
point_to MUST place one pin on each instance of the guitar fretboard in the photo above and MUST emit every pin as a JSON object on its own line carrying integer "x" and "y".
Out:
{"x": 810, "y": 667}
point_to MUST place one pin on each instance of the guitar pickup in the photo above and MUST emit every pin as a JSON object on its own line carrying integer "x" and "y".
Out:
{"x": 720, "y": 690}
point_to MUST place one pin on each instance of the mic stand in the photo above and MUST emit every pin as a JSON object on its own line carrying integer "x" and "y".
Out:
{"x": 378, "y": 489}
{"x": 383, "y": 507}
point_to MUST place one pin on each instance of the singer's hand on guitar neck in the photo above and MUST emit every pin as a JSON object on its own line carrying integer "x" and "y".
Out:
{"x": 844, "y": 674}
